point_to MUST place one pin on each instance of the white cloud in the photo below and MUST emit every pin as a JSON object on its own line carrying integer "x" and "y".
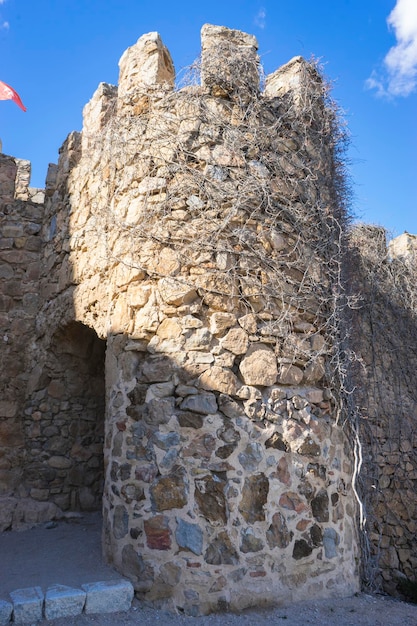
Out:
{"x": 260, "y": 18}
{"x": 398, "y": 76}
{"x": 4, "y": 26}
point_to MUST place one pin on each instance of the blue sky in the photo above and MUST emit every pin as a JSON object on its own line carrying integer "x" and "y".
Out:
{"x": 56, "y": 52}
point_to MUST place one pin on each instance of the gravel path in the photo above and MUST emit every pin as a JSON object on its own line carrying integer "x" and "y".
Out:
{"x": 360, "y": 610}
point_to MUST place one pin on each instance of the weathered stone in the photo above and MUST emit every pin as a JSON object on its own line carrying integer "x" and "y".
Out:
{"x": 235, "y": 341}
{"x": 6, "y": 609}
{"x": 292, "y": 501}
{"x": 259, "y": 366}
{"x": 63, "y": 601}
{"x": 254, "y": 497}
{"x": 170, "y": 492}
{"x": 251, "y": 456}
{"x": 132, "y": 493}
{"x": 27, "y": 605}
{"x": 110, "y": 596}
{"x": 221, "y": 74}
{"x": 301, "y": 549}
{"x": 200, "y": 447}
{"x": 157, "y": 369}
{"x": 249, "y": 542}
{"x": 278, "y": 535}
{"x": 158, "y": 533}
{"x": 219, "y": 379}
{"x": 204, "y": 403}
{"x": 320, "y": 506}
{"x": 330, "y": 542}
{"x": 120, "y": 522}
{"x": 187, "y": 419}
{"x": 309, "y": 448}
{"x": 160, "y": 411}
{"x": 136, "y": 568}
{"x": 189, "y": 536}
{"x": 282, "y": 473}
{"x": 229, "y": 407}
{"x": 219, "y": 322}
{"x": 147, "y": 63}
{"x": 170, "y": 573}
{"x": 290, "y": 375}
{"x": 221, "y": 551}
{"x": 210, "y": 498}
{"x": 316, "y": 535}
{"x": 277, "y": 442}
{"x": 165, "y": 440}
{"x": 175, "y": 292}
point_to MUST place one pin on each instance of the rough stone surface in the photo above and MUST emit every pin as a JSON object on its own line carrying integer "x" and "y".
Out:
{"x": 167, "y": 346}
{"x": 27, "y": 605}
{"x": 108, "y": 596}
{"x": 63, "y": 601}
{"x": 6, "y": 609}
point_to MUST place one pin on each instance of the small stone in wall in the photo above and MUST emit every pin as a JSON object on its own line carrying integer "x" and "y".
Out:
{"x": 219, "y": 379}
{"x": 120, "y": 522}
{"x": 219, "y": 322}
{"x": 292, "y": 502}
{"x": 210, "y": 498}
{"x": 156, "y": 369}
{"x": 249, "y": 542}
{"x": 189, "y": 536}
{"x": 316, "y": 535}
{"x": 301, "y": 549}
{"x": 204, "y": 403}
{"x": 277, "y": 443}
{"x": 282, "y": 473}
{"x": 158, "y": 533}
{"x": 135, "y": 567}
{"x": 221, "y": 551}
{"x": 278, "y": 535}
{"x": 330, "y": 542}
{"x": 200, "y": 447}
{"x": 290, "y": 375}
{"x": 188, "y": 419}
{"x": 251, "y": 456}
{"x": 170, "y": 492}
{"x": 229, "y": 407}
{"x": 259, "y": 366}
{"x": 320, "y": 506}
{"x": 236, "y": 341}
{"x": 309, "y": 448}
{"x": 254, "y": 498}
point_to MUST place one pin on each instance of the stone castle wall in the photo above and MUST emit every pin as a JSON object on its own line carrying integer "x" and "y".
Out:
{"x": 179, "y": 366}
{"x": 387, "y": 397}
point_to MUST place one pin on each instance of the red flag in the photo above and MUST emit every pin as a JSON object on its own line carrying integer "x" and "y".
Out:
{"x": 8, "y": 93}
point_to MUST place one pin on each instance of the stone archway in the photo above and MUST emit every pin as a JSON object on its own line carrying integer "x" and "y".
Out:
{"x": 66, "y": 427}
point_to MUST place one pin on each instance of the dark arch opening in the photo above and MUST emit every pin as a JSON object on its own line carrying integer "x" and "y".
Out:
{"x": 67, "y": 452}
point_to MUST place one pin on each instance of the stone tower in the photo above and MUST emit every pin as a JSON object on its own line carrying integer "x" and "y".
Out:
{"x": 188, "y": 277}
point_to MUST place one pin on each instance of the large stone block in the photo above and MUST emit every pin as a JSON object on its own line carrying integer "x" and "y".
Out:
{"x": 27, "y": 605}
{"x": 63, "y": 601}
{"x": 108, "y": 596}
{"x": 6, "y": 609}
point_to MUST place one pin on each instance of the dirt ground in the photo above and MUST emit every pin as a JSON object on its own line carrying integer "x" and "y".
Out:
{"x": 69, "y": 553}
{"x": 361, "y": 610}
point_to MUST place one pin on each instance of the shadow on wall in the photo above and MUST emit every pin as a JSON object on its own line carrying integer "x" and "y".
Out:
{"x": 65, "y": 432}
{"x": 387, "y": 394}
